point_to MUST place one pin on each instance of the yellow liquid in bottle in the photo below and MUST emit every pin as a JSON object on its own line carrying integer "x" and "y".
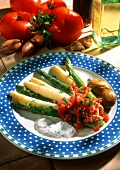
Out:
{"x": 106, "y": 23}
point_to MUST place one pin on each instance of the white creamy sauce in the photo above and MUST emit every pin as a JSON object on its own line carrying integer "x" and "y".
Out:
{"x": 54, "y": 127}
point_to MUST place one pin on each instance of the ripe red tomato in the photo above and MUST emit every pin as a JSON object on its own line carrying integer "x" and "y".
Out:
{"x": 49, "y": 5}
{"x": 31, "y": 6}
{"x": 16, "y": 25}
{"x": 67, "y": 25}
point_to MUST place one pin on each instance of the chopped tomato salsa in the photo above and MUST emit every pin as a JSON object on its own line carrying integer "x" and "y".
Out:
{"x": 106, "y": 117}
{"x": 96, "y": 128}
{"x": 81, "y": 110}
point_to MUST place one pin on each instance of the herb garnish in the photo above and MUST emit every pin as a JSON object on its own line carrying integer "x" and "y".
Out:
{"x": 40, "y": 23}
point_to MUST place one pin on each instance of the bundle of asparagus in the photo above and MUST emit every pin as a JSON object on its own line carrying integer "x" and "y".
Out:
{"x": 39, "y": 97}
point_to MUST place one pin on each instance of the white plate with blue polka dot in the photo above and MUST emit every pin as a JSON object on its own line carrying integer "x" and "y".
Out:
{"x": 18, "y": 129}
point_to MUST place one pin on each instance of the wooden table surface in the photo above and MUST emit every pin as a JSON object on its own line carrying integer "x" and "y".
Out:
{"x": 12, "y": 157}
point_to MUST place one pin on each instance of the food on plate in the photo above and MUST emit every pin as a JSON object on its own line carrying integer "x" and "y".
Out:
{"x": 78, "y": 107}
{"x": 98, "y": 85}
{"x": 85, "y": 110}
{"x": 10, "y": 46}
{"x": 31, "y": 6}
{"x": 102, "y": 89}
{"x": 61, "y": 75}
{"x": 23, "y": 90}
{"x": 44, "y": 91}
{"x": 55, "y": 82}
{"x": 54, "y": 127}
{"x": 108, "y": 98}
{"x": 34, "y": 105}
{"x": 75, "y": 77}
{"x": 40, "y": 82}
{"x": 25, "y": 99}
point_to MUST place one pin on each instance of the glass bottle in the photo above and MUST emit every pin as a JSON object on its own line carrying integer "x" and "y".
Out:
{"x": 106, "y": 22}
{"x": 84, "y": 8}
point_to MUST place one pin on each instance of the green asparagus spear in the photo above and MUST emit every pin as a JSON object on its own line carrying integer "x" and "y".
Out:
{"x": 92, "y": 125}
{"x": 56, "y": 83}
{"x": 75, "y": 77}
{"x": 27, "y": 92}
{"x": 72, "y": 73}
{"x": 44, "y": 110}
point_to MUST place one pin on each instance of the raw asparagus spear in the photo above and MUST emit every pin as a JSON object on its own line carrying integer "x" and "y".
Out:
{"x": 56, "y": 83}
{"x": 27, "y": 92}
{"x": 35, "y": 109}
{"x": 75, "y": 77}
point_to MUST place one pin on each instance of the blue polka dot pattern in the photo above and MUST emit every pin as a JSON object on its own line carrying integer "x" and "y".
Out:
{"x": 24, "y": 139}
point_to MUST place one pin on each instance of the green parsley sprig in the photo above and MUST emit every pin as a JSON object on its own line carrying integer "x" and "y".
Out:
{"x": 40, "y": 23}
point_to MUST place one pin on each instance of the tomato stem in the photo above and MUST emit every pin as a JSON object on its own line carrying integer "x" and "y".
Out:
{"x": 50, "y": 5}
{"x": 19, "y": 18}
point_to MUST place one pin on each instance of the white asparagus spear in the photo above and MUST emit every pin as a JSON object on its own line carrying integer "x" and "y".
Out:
{"x": 26, "y": 99}
{"x": 40, "y": 82}
{"x": 54, "y": 93}
{"x": 61, "y": 75}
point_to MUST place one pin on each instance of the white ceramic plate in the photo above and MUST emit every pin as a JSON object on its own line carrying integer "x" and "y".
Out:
{"x": 19, "y": 127}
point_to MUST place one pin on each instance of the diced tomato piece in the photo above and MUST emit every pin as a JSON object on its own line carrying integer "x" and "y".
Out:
{"x": 67, "y": 117}
{"x": 83, "y": 108}
{"x": 78, "y": 125}
{"x": 106, "y": 117}
{"x": 96, "y": 128}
